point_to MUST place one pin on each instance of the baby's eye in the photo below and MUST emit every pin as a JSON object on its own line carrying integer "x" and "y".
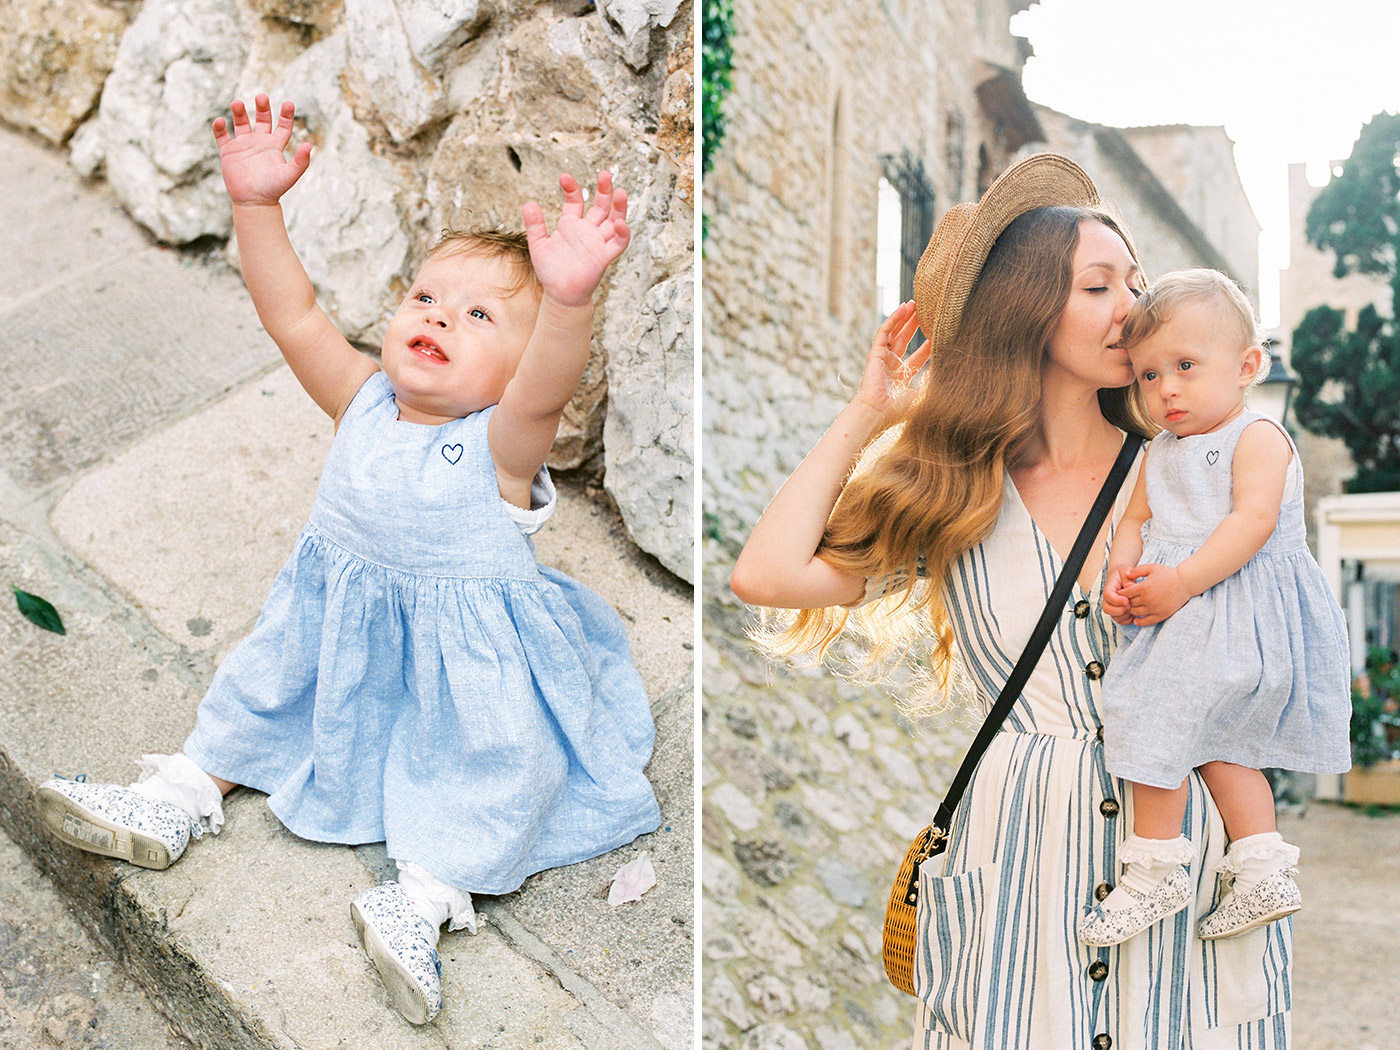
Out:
{"x": 1097, "y": 288}
{"x": 1148, "y": 376}
{"x": 1185, "y": 366}
{"x": 424, "y": 297}
{"x": 477, "y": 311}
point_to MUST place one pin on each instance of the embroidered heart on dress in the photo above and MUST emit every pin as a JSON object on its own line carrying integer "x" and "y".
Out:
{"x": 452, "y": 453}
{"x": 1211, "y": 456}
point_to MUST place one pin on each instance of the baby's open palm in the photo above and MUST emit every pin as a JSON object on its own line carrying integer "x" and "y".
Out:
{"x": 571, "y": 261}
{"x": 256, "y": 170}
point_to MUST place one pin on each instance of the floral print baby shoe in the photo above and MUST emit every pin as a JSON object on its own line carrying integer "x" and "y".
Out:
{"x": 1269, "y": 900}
{"x": 400, "y": 942}
{"x": 115, "y": 822}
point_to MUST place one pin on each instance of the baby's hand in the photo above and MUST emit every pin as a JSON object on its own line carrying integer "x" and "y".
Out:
{"x": 1154, "y": 592}
{"x": 571, "y": 261}
{"x": 1114, "y": 603}
{"x": 255, "y": 169}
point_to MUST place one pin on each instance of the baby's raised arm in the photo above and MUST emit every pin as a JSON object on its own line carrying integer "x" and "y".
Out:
{"x": 256, "y": 175}
{"x": 779, "y": 565}
{"x": 1258, "y": 474}
{"x": 569, "y": 263}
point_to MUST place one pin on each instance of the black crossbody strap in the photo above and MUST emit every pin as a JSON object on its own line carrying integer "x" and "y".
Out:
{"x": 1054, "y": 608}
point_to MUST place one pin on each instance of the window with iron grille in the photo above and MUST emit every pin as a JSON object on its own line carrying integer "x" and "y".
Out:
{"x": 906, "y": 185}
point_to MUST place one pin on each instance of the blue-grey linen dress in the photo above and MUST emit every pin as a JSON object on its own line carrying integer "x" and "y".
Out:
{"x": 998, "y": 965}
{"x": 1255, "y": 671}
{"x": 416, "y": 677}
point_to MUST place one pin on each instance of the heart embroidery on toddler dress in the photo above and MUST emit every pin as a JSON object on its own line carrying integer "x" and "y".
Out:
{"x": 1211, "y": 456}
{"x": 452, "y": 453}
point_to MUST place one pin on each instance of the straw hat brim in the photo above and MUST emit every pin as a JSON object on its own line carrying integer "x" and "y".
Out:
{"x": 960, "y": 245}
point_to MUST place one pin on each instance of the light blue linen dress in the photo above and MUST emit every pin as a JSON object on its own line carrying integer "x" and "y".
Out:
{"x": 1034, "y": 841}
{"x": 416, "y": 677}
{"x": 1256, "y": 670}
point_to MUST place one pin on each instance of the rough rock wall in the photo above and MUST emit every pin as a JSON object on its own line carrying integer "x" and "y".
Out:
{"x": 424, "y": 113}
{"x": 812, "y": 784}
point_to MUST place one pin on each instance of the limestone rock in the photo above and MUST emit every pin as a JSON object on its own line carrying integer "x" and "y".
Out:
{"x": 675, "y": 134}
{"x": 647, "y": 438}
{"x": 436, "y": 28}
{"x": 54, "y": 56}
{"x": 344, "y": 217}
{"x": 320, "y": 14}
{"x": 176, "y": 69}
{"x": 386, "y": 83}
{"x": 635, "y": 20}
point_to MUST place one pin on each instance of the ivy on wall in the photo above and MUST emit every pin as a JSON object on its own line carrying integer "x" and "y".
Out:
{"x": 716, "y": 60}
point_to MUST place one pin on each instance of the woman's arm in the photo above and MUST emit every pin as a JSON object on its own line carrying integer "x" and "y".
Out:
{"x": 1259, "y": 471}
{"x": 779, "y": 565}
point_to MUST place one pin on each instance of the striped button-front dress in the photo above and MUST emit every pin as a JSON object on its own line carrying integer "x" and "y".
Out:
{"x": 1035, "y": 840}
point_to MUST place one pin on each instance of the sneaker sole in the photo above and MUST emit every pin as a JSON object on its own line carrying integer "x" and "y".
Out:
{"x": 1253, "y": 924}
{"x": 78, "y": 826}
{"x": 403, "y": 990}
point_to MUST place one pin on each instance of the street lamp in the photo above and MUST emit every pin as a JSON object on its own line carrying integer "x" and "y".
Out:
{"x": 1274, "y": 396}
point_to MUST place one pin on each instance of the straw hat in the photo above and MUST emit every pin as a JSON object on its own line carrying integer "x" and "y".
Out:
{"x": 959, "y": 246}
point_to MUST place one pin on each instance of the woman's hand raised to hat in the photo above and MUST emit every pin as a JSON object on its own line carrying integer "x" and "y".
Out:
{"x": 888, "y": 383}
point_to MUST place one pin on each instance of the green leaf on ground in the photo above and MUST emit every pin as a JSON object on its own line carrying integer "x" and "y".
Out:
{"x": 37, "y": 611}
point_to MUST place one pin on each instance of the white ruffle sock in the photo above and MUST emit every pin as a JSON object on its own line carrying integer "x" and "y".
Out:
{"x": 1146, "y": 863}
{"x": 177, "y": 780}
{"x": 1254, "y": 858}
{"x": 435, "y": 900}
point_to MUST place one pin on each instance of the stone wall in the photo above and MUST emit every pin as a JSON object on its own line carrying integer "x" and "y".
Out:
{"x": 423, "y": 113}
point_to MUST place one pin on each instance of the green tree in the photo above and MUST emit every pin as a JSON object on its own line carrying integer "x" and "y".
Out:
{"x": 1349, "y": 379}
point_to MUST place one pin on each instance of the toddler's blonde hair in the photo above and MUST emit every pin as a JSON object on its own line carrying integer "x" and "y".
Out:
{"x": 1155, "y": 307}
{"x": 493, "y": 242}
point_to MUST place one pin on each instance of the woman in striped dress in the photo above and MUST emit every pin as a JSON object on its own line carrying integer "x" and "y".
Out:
{"x": 1009, "y": 419}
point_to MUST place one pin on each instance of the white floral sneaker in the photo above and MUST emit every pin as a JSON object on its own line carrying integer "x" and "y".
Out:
{"x": 399, "y": 942}
{"x": 1272, "y": 898}
{"x": 115, "y": 821}
{"x": 1101, "y": 927}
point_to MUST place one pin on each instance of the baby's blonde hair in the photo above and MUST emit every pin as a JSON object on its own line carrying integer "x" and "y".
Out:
{"x": 493, "y": 242}
{"x": 1155, "y": 307}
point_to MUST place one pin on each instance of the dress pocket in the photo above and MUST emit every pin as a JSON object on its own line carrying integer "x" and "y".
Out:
{"x": 950, "y": 921}
{"x": 1246, "y": 978}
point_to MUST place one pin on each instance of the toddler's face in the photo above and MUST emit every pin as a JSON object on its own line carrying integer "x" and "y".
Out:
{"x": 457, "y": 338}
{"x": 1193, "y": 370}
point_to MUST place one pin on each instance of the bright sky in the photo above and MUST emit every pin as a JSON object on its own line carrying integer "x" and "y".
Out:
{"x": 1291, "y": 80}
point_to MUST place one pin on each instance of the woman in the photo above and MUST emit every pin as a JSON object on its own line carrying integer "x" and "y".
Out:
{"x": 1022, "y": 404}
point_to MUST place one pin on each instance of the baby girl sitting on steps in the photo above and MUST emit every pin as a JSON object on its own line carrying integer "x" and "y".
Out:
{"x": 414, "y": 676}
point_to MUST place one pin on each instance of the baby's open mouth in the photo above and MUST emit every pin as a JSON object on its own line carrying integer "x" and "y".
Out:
{"x": 427, "y": 348}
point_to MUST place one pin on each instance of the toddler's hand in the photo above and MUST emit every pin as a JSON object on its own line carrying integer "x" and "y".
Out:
{"x": 1115, "y": 605}
{"x": 1154, "y": 592}
{"x": 571, "y": 261}
{"x": 255, "y": 169}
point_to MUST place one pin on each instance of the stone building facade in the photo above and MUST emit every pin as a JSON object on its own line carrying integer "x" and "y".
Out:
{"x": 424, "y": 113}
{"x": 814, "y": 784}
{"x": 1177, "y": 188}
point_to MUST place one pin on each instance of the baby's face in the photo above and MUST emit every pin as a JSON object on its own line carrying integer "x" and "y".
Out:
{"x": 1193, "y": 371}
{"x": 457, "y": 338}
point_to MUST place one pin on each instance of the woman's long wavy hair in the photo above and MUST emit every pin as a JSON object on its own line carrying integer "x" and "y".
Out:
{"x": 918, "y": 501}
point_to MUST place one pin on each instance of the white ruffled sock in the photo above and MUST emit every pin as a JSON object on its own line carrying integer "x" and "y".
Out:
{"x": 1146, "y": 862}
{"x": 435, "y": 900}
{"x": 1254, "y": 858}
{"x": 177, "y": 780}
